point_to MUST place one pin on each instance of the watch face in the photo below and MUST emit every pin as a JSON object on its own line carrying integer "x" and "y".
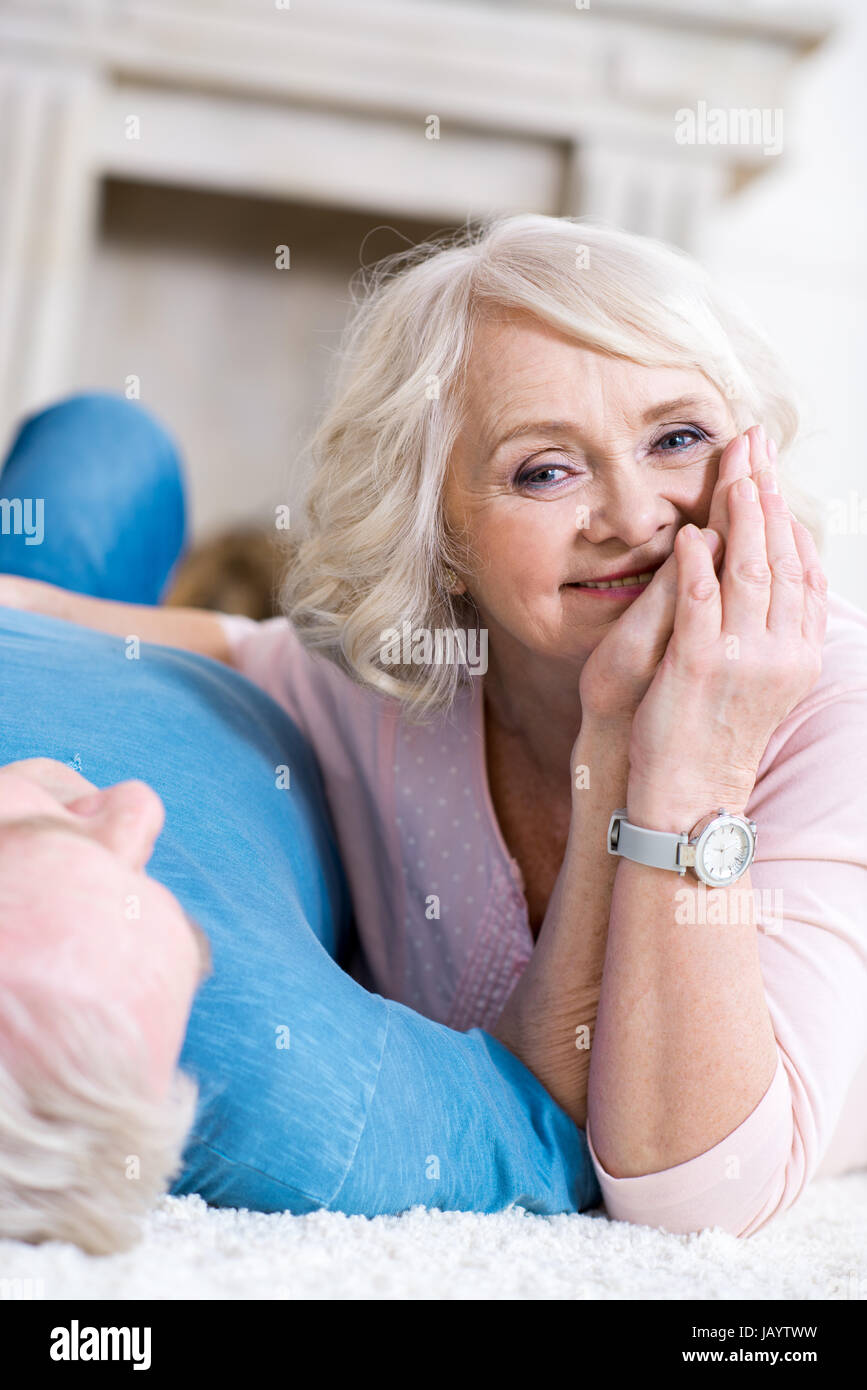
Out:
{"x": 725, "y": 853}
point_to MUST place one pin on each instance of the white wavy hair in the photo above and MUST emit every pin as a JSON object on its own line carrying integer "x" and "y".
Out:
{"x": 84, "y": 1147}
{"x": 375, "y": 546}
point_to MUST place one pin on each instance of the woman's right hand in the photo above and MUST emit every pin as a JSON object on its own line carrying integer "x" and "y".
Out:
{"x": 618, "y": 672}
{"x": 33, "y": 595}
{"x": 191, "y": 629}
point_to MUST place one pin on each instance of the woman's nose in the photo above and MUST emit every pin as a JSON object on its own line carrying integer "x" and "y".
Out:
{"x": 626, "y": 506}
{"x": 126, "y": 819}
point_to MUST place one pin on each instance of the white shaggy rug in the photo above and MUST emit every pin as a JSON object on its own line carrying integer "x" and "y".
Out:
{"x": 818, "y": 1250}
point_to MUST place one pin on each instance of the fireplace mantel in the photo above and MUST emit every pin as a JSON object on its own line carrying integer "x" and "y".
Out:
{"x": 430, "y": 108}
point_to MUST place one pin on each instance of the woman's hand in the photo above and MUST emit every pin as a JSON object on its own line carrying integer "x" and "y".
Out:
{"x": 618, "y": 672}
{"x": 190, "y": 629}
{"x": 744, "y": 650}
{"x": 31, "y": 594}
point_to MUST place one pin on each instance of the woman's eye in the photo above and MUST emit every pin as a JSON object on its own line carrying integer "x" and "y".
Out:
{"x": 683, "y": 439}
{"x": 542, "y": 475}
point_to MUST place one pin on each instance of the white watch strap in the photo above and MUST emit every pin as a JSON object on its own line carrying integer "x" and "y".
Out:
{"x": 660, "y": 849}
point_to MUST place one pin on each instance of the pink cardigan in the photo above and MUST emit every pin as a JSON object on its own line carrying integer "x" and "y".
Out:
{"x": 442, "y": 917}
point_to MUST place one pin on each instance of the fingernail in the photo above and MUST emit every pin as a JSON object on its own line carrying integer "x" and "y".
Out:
{"x": 747, "y": 489}
{"x": 711, "y": 539}
{"x": 772, "y": 450}
{"x": 766, "y": 480}
{"x": 760, "y": 433}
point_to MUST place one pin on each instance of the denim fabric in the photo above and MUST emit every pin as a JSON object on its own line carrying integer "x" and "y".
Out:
{"x": 108, "y": 476}
{"x": 313, "y": 1091}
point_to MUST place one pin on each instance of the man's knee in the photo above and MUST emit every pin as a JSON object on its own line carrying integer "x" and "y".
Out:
{"x": 95, "y": 421}
{"x": 108, "y": 478}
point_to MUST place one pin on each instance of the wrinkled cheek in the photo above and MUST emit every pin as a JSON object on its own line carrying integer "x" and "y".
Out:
{"x": 695, "y": 503}
{"x": 506, "y": 589}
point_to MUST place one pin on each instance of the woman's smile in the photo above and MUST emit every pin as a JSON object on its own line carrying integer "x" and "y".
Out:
{"x": 622, "y": 584}
{"x": 617, "y": 590}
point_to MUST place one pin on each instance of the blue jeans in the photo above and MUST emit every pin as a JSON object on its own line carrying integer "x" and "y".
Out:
{"x": 314, "y": 1092}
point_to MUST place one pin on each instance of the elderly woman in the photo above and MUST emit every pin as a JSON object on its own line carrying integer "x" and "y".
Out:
{"x": 590, "y": 724}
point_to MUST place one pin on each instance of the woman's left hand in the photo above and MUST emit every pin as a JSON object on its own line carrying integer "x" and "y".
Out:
{"x": 745, "y": 649}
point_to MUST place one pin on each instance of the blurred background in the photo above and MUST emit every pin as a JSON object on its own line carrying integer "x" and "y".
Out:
{"x": 187, "y": 189}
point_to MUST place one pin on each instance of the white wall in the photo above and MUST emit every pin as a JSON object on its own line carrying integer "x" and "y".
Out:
{"x": 793, "y": 247}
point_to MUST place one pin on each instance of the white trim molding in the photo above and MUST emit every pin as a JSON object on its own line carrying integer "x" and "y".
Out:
{"x": 431, "y": 108}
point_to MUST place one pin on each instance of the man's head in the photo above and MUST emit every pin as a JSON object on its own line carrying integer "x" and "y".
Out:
{"x": 98, "y": 968}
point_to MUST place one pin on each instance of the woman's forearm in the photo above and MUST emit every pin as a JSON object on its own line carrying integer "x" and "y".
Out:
{"x": 192, "y": 629}
{"x": 549, "y": 1019}
{"x": 684, "y": 1047}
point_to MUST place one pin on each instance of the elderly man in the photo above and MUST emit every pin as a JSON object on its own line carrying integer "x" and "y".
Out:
{"x": 145, "y": 791}
{"x": 98, "y": 966}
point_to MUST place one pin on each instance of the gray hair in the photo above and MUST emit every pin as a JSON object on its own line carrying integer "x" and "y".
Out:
{"x": 85, "y": 1149}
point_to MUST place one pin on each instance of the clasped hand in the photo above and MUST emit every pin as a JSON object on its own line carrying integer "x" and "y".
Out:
{"x": 705, "y": 664}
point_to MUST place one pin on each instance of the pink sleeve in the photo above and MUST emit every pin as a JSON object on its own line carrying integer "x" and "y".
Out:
{"x": 810, "y": 885}
{"x": 328, "y": 707}
{"x": 269, "y": 653}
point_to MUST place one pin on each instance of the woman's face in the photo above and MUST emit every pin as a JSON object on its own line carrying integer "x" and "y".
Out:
{"x": 572, "y": 466}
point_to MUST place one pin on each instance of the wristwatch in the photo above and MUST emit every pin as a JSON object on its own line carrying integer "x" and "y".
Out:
{"x": 719, "y": 849}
